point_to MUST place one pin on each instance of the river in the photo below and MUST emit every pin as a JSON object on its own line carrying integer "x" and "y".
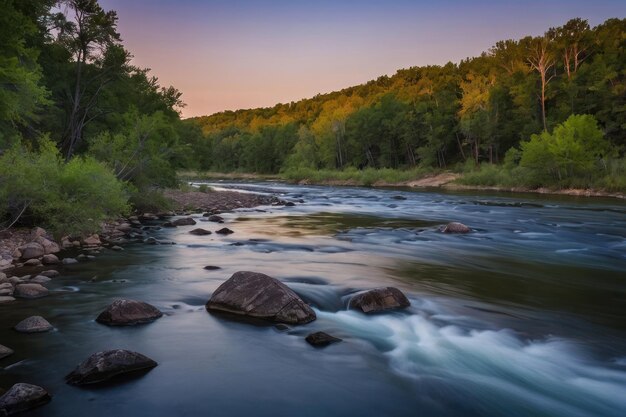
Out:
{"x": 525, "y": 316}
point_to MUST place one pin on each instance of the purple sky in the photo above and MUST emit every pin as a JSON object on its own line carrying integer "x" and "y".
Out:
{"x": 226, "y": 55}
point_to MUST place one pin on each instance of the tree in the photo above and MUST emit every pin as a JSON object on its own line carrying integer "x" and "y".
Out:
{"x": 90, "y": 35}
{"x": 21, "y": 92}
{"x": 541, "y": 59}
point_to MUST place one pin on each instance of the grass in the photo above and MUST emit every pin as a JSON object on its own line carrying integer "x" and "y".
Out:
{"x": 611, "y": 179}
{"x": 353, "y": 176}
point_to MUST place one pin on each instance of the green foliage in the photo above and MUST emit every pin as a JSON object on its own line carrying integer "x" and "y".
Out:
{"x": 149, "y": 200}
{"x": 69, "y": 198}
{"x": 576, "y": 148}
{"x": 353, "y": 176}
{"x": 141, "y": 151}
{"x": 21, "y": 93}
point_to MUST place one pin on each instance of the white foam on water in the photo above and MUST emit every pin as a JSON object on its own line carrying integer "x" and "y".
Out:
{"x": 496, "y": 368}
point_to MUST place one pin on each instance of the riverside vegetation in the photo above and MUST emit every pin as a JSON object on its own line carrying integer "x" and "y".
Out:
{"x": 79, "y": 122}
{"x": 545, "y": 111}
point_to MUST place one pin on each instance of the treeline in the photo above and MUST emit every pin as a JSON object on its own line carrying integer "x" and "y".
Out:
{"x": 82, "y": 131}
{"x": 436, "y": 116}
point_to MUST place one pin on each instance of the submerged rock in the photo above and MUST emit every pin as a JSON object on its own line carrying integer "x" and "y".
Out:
{"x": 321, "y": 339}
{"x": 185, "y": 221}
{"x": 257, "y": 295}
{"x": 5, "y": 351}
{"x": 224, "y": 231}
{"x": 379, "y": 299}
{"x": 128, "y": 313}
{"x": 33, "y": 290}
{"x": 51, "y": 273}
{"x": 34, "y": 324}
{"x": 215, "y": 218}
{"x": 69, "y": 261}
{"x": 102, "y": 366}
{"x": 200, "y": 232}
{"x": 456, "y": 227}
{"x": 212, "y": 268}
{"x": 22, "y": 397}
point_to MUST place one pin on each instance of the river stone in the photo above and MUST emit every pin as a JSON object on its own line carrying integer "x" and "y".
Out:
{"x": 93, "y": 240}
{"x": 5, "y": 351}
{"x": 321, "y": 339}
{"x": 50, "y": 259}
{"x": 22, "y": 397}
{"x": 29, "y": 290}
{"x": 212, "y": 268}
{"x": 69, "y": 261}
{"x": 40, "y": 279}
{"x": 215, "y": 218}
{"x": 31, "y": 250}
{"x": 6, "y": 299}
{"x": 49, "y": 247}
{"x": 200, "y": 232}
{"x": 258, "y": 295}
{"x": 32, "y": 262}
{"x": 185, "y": 221}
{"x": 379, "y": 299}
{"x": 51, "y": 273}
{"x": 102, "y": 366}
{"x": 34, "y": 324}
{"x": 6, "y": 288}
{"x": 128, "y": 313}
{"x": 224, "y": 231}
{"x": 456, "y": 227}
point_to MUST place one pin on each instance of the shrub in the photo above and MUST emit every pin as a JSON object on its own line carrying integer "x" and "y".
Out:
{"x": 574, "y": 149}
{"x": 72, "y": 198}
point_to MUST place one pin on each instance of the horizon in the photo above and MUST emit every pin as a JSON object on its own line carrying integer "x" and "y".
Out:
{"x": 216, "y": 50}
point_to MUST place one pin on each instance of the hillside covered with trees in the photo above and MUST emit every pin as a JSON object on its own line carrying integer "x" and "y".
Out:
{"x": 481, "y": 110}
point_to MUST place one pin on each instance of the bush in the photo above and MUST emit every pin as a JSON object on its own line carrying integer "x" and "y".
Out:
{"x": 72, "y": 198}
{"x": 575, "y": 148}
{"x": 150, "y": 201}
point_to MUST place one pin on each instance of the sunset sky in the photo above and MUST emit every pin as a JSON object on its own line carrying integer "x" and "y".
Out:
{"x": 226, "y": 55}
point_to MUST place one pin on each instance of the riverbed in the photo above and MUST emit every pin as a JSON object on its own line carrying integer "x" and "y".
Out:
{"x": 525, "y": 316}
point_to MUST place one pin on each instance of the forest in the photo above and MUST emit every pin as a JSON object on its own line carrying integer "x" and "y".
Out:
{"x": 520, "y": 105}
{"x": 85, "y": 135}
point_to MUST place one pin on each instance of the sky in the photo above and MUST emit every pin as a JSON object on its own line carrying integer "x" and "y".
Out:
{"x": 233, "y": 54}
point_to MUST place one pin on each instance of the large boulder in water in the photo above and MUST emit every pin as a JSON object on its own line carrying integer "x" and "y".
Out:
{"x": 379, "y": 299}
{"x": 102, "y": 366}
{"x": 456, "y": 227}
{"x": 22, "y": 397}
{"x": 128, "y": 313}
{"x": 257, "y": 295}
{"x": 34, "y": 324}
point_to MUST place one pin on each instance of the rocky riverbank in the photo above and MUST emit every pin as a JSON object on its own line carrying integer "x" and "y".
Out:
{"x": 36, "y": 249}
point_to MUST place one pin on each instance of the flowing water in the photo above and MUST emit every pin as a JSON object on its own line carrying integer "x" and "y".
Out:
{"x": 526, "y": 316}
